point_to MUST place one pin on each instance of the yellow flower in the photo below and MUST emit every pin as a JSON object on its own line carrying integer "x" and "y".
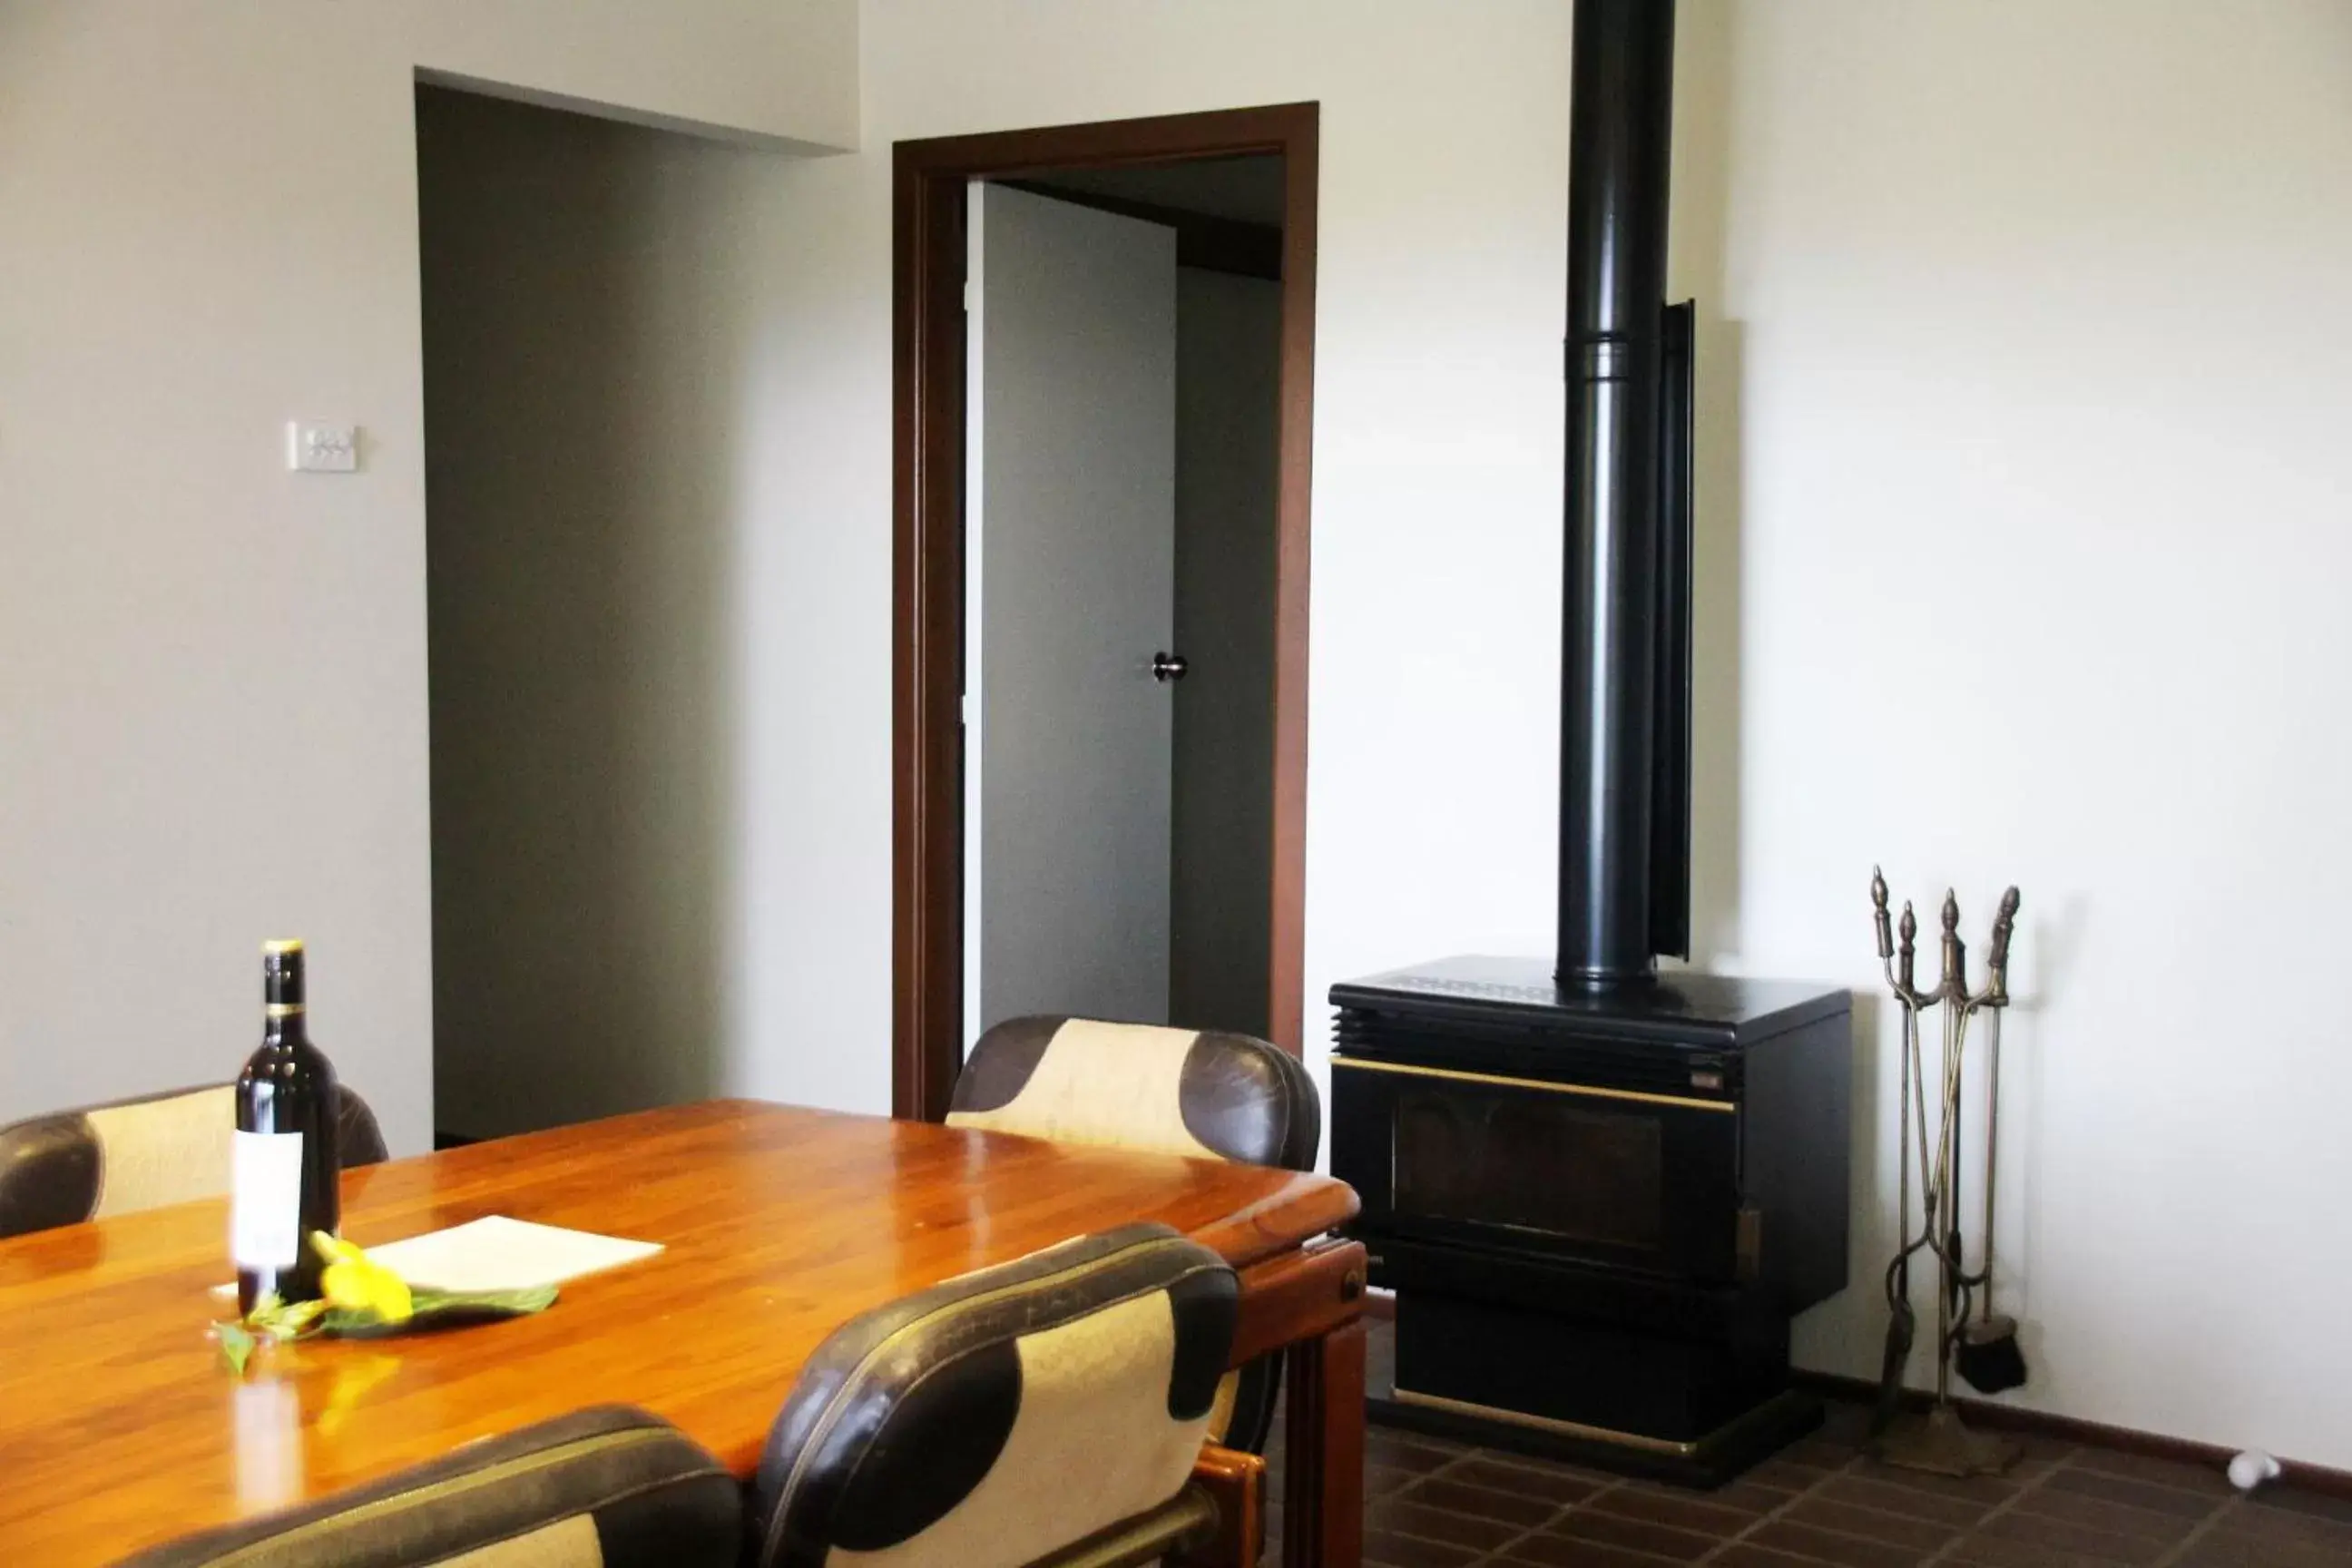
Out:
{"x": 356, "y": 1283}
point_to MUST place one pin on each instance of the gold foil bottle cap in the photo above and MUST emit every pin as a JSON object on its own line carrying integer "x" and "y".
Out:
{"x": 281, "y": 944}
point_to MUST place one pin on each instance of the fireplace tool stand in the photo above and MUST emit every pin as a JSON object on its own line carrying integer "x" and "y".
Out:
{"x": 1985, "y": 1345}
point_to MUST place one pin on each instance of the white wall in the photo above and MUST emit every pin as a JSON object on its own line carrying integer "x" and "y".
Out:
{"x": 211, "y": 672}
{"x": 2030, "y": 320}
{"x": 2023, "y": 350}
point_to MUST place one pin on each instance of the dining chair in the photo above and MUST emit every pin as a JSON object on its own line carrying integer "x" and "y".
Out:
{"x": 1051, "y": 1408}
{"x": 612, "y": 1487}
{"x": 132, "y": 1154}
{"x": 1201, "y": 1092}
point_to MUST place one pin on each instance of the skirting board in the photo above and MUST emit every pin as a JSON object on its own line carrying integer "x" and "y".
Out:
{"x": 2000, "y": 1417}
{"x": 1381, "y": 1306}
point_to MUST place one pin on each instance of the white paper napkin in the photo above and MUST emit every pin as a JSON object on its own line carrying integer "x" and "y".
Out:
{"x": 500, "y": 1254}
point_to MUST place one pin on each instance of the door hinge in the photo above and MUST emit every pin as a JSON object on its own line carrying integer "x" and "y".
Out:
{"x": 967, "y": 296}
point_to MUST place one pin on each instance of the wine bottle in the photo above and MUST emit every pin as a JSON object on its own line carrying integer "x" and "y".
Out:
{"x": 285, "y": 1168}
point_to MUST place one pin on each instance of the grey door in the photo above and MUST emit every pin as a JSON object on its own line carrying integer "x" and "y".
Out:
{"x": 1070, "y": 563}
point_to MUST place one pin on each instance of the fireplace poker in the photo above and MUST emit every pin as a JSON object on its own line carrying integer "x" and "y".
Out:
{"x": 1901, "y": 1324}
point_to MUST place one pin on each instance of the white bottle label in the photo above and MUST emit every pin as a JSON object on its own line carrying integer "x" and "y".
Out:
{"x": 265, "y": 1206}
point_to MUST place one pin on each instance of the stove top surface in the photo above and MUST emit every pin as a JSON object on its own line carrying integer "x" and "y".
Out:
{"x": 1725, "y": 1008}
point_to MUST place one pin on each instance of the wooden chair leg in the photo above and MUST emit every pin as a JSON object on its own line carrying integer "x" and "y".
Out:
{"x": 1323, "y": 1452}
{"x": 1237, "y": 1481}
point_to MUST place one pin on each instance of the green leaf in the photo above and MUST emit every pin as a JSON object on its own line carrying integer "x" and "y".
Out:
{"x": 235, "y": 1346}
{"x": 439, "y": 1310}
{"x": 288, "y": 1323}
{"x": 519, "y": 1303}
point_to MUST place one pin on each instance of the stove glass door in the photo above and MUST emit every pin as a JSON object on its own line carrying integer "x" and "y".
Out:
{"x": 1567, "y": 1170}
{"x": 1540, "y": 1162}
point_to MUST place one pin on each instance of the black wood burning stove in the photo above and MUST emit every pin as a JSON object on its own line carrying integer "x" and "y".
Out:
{"x": 1600, "y": 1195}
{"x": 1599, "y": 1211}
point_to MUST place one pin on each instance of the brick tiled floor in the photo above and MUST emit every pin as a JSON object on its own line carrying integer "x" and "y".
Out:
{"x": 1430, "y": 1503}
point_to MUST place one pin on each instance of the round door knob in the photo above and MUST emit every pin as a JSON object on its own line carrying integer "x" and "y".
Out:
{"x": 1168, "y": 666}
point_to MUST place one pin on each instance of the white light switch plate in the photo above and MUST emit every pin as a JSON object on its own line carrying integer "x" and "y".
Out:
{"x": 321, "y": 449}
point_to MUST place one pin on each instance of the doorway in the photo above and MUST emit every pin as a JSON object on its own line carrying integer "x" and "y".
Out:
{"x": 588, "y": 306}
{"x": 1212, "y": 795}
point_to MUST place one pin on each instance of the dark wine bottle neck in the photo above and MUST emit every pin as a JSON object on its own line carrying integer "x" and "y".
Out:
{"x": 282, "y": 995}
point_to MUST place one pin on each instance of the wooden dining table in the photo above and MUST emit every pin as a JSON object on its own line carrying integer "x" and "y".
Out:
{"x": 120, "y": 1425}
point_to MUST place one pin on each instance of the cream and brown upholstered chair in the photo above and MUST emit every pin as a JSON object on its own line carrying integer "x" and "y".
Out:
{"x": 1177, "y": 1091}
{"x": 1051, "y": 1408}
{"x": 141, "y": 1153}
{"x": 610, "y": 1487}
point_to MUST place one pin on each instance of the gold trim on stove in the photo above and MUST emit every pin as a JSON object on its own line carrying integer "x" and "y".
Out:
{"x": 1560, "y": 1428}
{"x": 1589, "y": 1090}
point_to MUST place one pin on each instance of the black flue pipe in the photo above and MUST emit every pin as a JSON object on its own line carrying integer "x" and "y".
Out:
{"x": 1620, "y": 152}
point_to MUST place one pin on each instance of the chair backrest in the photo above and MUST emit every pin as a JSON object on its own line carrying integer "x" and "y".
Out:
{"x": 608, "y": 1488}
{"x": 1181, "y": 1092}
{"x": 1001, "y": 1416}
{"x": 133, "y": 1154}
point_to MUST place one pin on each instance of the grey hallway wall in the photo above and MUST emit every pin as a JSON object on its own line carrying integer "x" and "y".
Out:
{"x": 587, "y": 306}
{"x": 1227, "y": 365}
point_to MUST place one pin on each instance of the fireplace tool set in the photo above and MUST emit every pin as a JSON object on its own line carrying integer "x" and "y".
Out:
{"x": 1969, "y": 1335}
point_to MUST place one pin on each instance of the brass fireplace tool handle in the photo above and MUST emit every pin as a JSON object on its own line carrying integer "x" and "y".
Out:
{"x": 1985, "y": 1347}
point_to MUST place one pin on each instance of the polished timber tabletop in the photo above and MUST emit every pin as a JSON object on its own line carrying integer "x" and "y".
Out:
{"x": 119, "y": 1429}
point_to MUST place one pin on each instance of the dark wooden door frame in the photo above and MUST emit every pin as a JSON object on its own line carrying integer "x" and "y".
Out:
{"x": 926, "y": 587}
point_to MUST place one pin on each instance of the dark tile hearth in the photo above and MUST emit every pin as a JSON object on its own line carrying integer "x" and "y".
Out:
{"x": 1824, "y": 1503}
